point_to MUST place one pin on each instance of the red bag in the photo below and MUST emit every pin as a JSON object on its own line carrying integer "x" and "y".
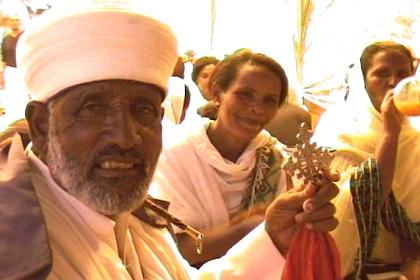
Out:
{"x": 312, "y": 256}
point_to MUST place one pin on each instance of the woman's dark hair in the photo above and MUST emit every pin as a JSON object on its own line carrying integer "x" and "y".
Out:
{"x": 200, "y": 63}
{"x": 374, "y": 48}
{"x": 227, "y": 70}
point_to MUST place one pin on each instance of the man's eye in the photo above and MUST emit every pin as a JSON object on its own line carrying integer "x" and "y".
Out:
{"x": 91, "y": 107}
{"x": 146, "y": 109}
{"x": 146, "y": 113}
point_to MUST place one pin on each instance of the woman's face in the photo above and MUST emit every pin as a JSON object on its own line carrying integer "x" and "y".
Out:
{"x": 203, "y": 81}
{"x": 250, "y": 102}
{"x": 388, "y": 67}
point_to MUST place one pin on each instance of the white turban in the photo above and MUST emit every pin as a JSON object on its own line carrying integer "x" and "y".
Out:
{"x": 93, "y": 41}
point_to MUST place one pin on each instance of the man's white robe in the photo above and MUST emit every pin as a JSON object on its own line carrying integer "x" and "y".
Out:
{"x": 83, "y": 242}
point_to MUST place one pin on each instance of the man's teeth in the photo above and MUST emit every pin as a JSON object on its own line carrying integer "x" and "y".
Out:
{"x": 116, "y": 165}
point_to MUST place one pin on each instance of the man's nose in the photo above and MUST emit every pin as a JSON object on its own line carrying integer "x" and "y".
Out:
{"x": 125, "y": 131}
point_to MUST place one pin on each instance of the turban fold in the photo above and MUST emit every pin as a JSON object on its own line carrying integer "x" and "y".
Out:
{"x": 92, "y": 41}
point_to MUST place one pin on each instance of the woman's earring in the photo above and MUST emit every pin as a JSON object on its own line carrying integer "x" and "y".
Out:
{"x": 217, "y": 103}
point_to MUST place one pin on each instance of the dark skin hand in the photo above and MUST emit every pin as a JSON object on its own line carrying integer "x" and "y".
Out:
{"x": 217, "y": 241}
{"x": 308, "y": 205}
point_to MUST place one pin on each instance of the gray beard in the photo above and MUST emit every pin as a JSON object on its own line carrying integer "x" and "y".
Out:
{"x": 105, "y": 196}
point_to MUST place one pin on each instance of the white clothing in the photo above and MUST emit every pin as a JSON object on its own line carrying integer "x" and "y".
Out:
{"x": 196, "y": 101}
{"x": 84, "y": 246}
{"x": 203, "y": 188}
{"x": 354, "y": 129}
{"x": 75, "y": 43}
{"x": 14, "y": 97}
{"x": 174, "y": 102}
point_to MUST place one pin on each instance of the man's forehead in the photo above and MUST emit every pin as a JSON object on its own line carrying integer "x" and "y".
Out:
{"x": 112, "y": 88}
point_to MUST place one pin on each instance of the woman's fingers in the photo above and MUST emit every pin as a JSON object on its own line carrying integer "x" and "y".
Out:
{"x": 321, "y": 220}
{"x": 323, "y": 225}
{"x": 325, "y": 212}
{"x": 323, "y": 195}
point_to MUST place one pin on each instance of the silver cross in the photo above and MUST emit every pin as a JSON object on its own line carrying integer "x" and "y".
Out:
{"x": 308, "y": 160}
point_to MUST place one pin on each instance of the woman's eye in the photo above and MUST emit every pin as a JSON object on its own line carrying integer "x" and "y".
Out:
{"x": 270, "y": 101}
{"x": 245, "y": 94}
{"x": 383, "y": 74}
{"x": 403, "y": 75}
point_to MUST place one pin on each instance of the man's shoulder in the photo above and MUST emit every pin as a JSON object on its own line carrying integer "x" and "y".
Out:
{"x": 24, "y": 246}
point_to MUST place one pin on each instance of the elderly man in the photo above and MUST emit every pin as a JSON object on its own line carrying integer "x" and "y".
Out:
{"x": 72, "y": 204}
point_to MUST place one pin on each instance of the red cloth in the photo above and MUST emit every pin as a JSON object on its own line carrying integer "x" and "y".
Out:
{"x": 312, "y": 256}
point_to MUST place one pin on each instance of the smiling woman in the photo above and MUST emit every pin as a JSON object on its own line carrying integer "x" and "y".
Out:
{"x": 222, "y": 175}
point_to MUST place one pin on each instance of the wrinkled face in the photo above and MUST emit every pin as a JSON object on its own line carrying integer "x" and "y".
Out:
{"x": 203, "y": 81}
{"x": 387, "y": 68}
{"x": 250, "y": 102}
{"x": 104, "y": 139}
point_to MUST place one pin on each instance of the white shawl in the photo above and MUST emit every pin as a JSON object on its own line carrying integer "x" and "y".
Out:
{"x": 202, "y": 186}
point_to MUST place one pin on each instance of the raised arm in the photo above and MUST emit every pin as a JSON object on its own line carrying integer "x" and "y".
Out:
{"x": 386, "y": 151}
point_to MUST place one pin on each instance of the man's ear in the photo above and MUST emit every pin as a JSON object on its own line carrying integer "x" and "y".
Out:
{"x": 37, "y": 115}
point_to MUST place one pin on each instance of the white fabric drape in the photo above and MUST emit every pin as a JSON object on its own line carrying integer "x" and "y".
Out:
{"x": 202, "y": 186}
{"x": 174, "y": 102}
{"x": 14, "y": 97}
{"x": 83, "y": 243}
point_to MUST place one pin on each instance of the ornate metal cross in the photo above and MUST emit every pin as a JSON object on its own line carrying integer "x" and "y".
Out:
{"x": 308, "y": 160}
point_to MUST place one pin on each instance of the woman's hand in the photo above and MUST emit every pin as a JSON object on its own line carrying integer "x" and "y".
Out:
{"x": 392, "y": 118}
{"x": 308, "y": 205}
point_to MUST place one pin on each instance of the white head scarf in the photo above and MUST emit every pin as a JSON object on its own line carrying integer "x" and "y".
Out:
{"x": 357, "y": 126}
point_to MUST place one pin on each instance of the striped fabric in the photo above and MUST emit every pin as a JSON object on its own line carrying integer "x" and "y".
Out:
{"x": 395, "y": 219}
{"x": 263, "y": 187}
{"x": 366, "y": 192}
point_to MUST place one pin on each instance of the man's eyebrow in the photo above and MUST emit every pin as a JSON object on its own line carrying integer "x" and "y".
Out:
{"x": 145, "y": 93}
{"x": 87, "y": 93}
